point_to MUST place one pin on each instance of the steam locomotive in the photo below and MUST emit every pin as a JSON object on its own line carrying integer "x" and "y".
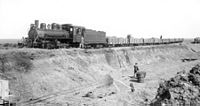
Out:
{"x": 68, "y": 35}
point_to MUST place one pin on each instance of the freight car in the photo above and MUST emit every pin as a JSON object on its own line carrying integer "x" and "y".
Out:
{"x": 116, "y": 42}
{"x": 130, "y": 41}
{"x": 68, "y": 35}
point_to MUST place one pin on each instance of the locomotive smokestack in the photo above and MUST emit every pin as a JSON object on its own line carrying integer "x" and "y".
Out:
{"x": 36, "y": 24}
{"x": 32, "y": 26}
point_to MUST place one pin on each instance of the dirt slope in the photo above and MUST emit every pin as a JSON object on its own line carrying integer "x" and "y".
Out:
{"x": 97, "y": 77}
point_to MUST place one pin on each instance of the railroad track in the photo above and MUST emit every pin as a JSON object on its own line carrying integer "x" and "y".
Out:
{"x": 107, "y": 81}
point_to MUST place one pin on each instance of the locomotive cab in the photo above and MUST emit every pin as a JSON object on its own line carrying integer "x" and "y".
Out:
{"x": 75, "y": 33}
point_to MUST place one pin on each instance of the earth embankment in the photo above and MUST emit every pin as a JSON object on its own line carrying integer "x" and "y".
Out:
{"x": 67, "y": 76}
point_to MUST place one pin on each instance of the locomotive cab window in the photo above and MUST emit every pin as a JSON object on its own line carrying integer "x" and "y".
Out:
{"x": 71, "y": 29}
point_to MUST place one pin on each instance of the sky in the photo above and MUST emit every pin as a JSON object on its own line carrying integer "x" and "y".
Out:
{"x": 140, "y": 18}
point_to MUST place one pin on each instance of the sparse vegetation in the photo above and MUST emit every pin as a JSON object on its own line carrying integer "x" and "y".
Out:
{"x": 3, "y": 61}
{"x": 22, "y": 61}
{"x": 8, "y": 45}
{"x": 19, "y": 61}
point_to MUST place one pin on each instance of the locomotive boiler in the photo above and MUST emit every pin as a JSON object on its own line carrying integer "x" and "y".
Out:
{"x": 46, "y": 37}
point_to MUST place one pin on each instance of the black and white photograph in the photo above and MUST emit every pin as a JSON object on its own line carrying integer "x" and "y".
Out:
{"x": 99, "y": 52}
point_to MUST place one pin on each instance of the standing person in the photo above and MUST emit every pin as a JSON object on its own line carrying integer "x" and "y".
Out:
{"x": 161, "y": 37}
{"x": 132, "y": 87}
{"x": 136, "y": 69}
{"x": 82, "y": 42}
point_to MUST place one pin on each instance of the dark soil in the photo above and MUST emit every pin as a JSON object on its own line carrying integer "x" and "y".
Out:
{"x": 184, "y": 89}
